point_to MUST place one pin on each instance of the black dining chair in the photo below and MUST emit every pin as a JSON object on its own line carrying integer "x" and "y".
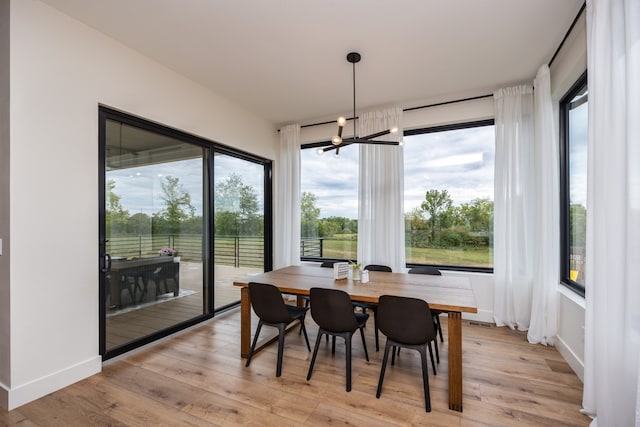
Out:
{"x": 406, "y": 322}
{"x": 271, "y": 310}
{"x": 373, "y": 307}
{"x": 331, "y": 309}
{"x": 436, "y": 313}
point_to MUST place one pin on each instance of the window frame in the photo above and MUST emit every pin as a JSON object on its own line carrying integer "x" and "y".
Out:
{"x": 565, "y": 202}
{"x": 410, "y": 132}
{"x": 310, "y": 146}
{"x": 444, "y": 128}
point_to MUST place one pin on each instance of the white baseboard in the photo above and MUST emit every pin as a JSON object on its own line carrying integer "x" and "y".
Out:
{"x": 574, "y": 362}
{"x": 28, "y": 392}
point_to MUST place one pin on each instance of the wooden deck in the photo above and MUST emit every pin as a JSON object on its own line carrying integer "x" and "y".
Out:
{"x": 153, "y": 315}
{"x": 198, "y": 378}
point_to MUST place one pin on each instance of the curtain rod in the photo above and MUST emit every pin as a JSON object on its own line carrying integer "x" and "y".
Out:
{"x": 407, "y": 109}
{"x": 573, "y": 24}
{"x": 566, "y": 36}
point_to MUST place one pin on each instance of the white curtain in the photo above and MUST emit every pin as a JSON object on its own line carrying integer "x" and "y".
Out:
{"x": 381, "y": 193}
{"x": 546, "y": 270}
{"x": 612, "y": 262}
{"x": 514, "y": 207}
{"x": 287, "y": 215}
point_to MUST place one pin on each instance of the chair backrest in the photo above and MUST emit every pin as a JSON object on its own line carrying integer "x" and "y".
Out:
{"x": 327, "y": 264}
{"x": 375, "y": 267}
{"x": 267, "y": 302}
{"x": 331, "y": 309}
{"x": 425, "y": 270}
{"x": 405, "y": 320}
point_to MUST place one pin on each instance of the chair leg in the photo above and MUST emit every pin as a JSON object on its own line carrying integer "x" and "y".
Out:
{"x": 435, "y": 344}
{"x": 393, "y": 354}
{"x": 425, "y": 377}
{"x": 281, "y": 333}
{"x": 433, "y": 365}
{"x": 333, "y": 344}
{"x": 303, "y": 328}
{"x": 255, "y": 340}
{"x": 439, "y": 328}
{"x": 384, "y": 366}
{"x": 347, "y": 343}
{"x": 315, "y": 353}
{"x": 364, "y": 344}
{"x": 375, "y": 327}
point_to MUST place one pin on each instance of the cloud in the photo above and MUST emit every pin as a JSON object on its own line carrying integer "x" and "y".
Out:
{"x": 460, "y": 161}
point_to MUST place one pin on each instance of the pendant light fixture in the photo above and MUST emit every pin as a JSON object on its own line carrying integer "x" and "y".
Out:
{"x": 337, "y": 141}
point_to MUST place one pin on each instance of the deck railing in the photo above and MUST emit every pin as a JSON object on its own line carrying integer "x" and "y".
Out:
{"x": 237, "y": 251}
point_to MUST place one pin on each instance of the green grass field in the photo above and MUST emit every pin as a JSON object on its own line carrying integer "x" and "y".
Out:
{"x": 470, "y": 257}
{"x": 249, "y": 250}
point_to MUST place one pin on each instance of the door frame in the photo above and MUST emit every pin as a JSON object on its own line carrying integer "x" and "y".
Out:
{"x": 105, "y": 113}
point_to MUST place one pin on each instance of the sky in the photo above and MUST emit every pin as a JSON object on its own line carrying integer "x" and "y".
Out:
{"x": 140, "y": 188}
{"x": 459, "y": 161}
{"x": 578, "y": 155}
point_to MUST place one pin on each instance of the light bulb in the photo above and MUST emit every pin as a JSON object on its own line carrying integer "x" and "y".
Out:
{"x": 393, "y": 130}
{"x": 401, "y": 142}
{"x": 320, "y": 151}
{"x": 336, "y": 140}
{"x": 342, "y": 121}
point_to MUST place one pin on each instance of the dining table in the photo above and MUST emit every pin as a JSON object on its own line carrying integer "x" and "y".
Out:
{"x": 451, "y": 294}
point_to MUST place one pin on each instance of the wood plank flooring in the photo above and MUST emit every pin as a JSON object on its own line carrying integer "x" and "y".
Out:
{"x": 197, "y": 378}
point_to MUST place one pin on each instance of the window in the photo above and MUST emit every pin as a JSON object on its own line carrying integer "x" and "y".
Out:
{"x": 573, "y": 184}
{"x": 448, "y": 196}
{"x": 329, "y": 204}
{"x": 448, "y": 199}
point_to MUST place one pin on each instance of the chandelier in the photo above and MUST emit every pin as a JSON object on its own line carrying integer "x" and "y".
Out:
{"x": 337, "y": 141}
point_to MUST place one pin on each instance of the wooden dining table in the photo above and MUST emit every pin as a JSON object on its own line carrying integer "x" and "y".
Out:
{"x": 446, "y": 293}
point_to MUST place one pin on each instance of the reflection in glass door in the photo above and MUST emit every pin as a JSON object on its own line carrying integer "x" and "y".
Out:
{"x": 241, "y": 207}
{"x": 155, "y": 223}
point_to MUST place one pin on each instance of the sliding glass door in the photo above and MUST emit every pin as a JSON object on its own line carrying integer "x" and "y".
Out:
{"x": 155, "y": 216}
{"x": 180, "y": 219}
{"x": 240, "y": 207}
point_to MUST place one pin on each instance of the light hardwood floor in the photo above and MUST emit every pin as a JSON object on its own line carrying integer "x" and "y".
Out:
{"x": 198, "y": 378}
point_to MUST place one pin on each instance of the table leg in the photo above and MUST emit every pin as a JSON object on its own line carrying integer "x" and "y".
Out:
{"x": 455, "y": 361}
{"x": 245, "y": 322}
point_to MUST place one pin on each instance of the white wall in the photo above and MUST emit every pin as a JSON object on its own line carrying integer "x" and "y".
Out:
{"x": 60, "y": 71}
{"x": 568, "y": 66}
{"x": 5, "y": 360}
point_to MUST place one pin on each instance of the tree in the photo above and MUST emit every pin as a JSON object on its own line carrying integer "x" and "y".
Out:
{"x": 436, "y": 204}
{"x": 115, "y": 215}
{"x": 577, "y": 225}
{"x": 309, "y": 215}
{"x": 139, "y": 224}
{"x": 236, "y": 207}
{"x": 477, "y": 215}
{"x": 178, "y": 207}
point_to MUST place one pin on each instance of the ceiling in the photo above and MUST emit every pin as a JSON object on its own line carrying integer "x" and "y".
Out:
{"x": 285, "y": 60}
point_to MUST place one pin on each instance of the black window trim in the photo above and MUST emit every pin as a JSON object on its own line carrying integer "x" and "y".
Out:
{"x": 109, "y": 113}
{"x": 410, "y": 132}
{"x": 564, "y": 109}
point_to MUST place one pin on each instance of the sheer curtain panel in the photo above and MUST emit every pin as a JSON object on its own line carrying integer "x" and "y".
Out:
{"x": 287, "y": 236}
{"x": 381, "y": 193}
{"x": 612, "y": 279}
{"x": 514, "y": 208}
{"x": 546, "y": 270}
